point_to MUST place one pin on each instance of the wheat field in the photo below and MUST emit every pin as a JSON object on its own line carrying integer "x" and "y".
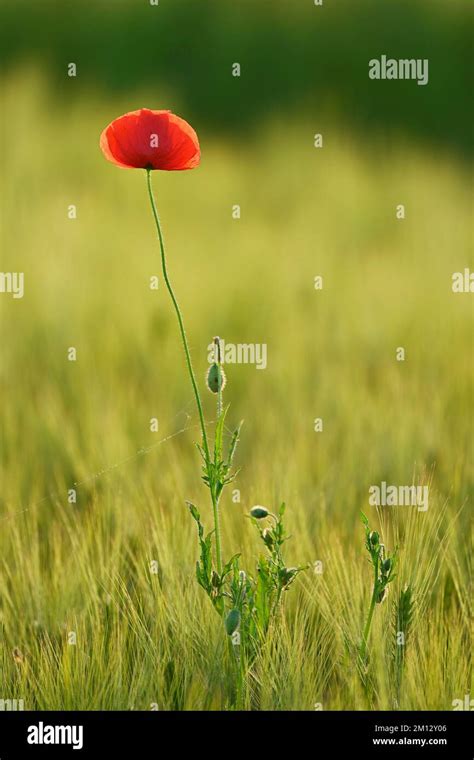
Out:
{"x": 86, "y": 623}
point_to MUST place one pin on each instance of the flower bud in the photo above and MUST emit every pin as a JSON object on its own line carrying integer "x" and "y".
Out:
{"x": 232, "y": 622}
{"x": 374, "y": 538}
{"x": 287, "y": 574}
{"x": 242, "y": 576}
{"x": 216, "y": 378}
{"x": 386, "y": 566}
{"x": 215, "y": 580}
{"x": 259, "y": 512}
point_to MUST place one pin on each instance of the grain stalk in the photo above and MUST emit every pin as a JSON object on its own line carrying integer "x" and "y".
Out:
{"x": 402, "y": 622}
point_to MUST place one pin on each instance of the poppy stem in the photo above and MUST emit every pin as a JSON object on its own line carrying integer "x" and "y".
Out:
{"x": 178, "y": 313}
{"x": 215, "y": 504}
{"x": 217, "y": 345}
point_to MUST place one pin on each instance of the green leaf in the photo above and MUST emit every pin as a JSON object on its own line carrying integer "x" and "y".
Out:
{"x": 200, "y": 578}
{"x": 229, "y": 565}
{"x": 202, "y": 453}
{"x": 233, "y": 445}
{"x": 194, "y": 511}
{"x": 219, "y": 434}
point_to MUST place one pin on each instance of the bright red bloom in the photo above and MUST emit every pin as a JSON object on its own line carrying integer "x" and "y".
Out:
{"x": 147, "y": 139}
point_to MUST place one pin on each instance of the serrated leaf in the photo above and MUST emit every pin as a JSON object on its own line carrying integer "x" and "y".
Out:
{"x": 228, "y": 566}
{"x": 233, "y": 445}
{"x": 194, "y": 511}
{"x": 219, "y": 434}
{"x": 202, "y": 453}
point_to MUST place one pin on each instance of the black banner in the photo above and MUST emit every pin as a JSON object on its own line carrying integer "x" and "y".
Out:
{"x": 152, "y": 734}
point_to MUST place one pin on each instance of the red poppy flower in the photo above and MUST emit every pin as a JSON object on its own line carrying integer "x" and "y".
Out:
{"x": 147, "y": 139}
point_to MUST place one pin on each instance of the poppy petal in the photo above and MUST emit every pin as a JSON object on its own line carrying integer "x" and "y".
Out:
{"x": 147, "y": 139}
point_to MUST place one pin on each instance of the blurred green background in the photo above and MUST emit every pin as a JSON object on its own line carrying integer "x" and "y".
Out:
{"x": 297, "y": 59}
{"x": 331, "y": 353}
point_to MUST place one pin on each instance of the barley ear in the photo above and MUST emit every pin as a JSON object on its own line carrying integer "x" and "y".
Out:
{"x": 402, "y": 623}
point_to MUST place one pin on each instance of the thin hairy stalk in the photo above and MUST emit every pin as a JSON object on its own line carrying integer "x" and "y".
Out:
{"x": 219, "y": 392}
{"x": 217, "y": 529}
{"x": 189, "y": 365}
{"x": 219, "y": 412}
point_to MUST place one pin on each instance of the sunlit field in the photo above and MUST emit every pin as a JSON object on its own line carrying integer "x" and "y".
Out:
{"x": 86, "y": 623}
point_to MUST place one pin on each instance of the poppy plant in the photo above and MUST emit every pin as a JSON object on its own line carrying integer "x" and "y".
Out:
{"x": 247, "y": 602}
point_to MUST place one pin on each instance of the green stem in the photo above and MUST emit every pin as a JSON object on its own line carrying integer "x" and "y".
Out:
{"x": 219, "y": 390}
{"x": 367, "y": 628}
{"x": 219, "y": 453}
{"x": 365, "y": 636}
{"x": 217, "y": 529}
{"x": 215, "y": 506}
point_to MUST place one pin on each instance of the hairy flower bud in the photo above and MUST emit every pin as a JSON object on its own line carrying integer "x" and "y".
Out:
{"x": 374, "y": 538}
{"x": 259, "y": 512}
{"x": 232, "y": 622}
{"x": 215, "y": 378}
{"x": 287, "y": 574}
